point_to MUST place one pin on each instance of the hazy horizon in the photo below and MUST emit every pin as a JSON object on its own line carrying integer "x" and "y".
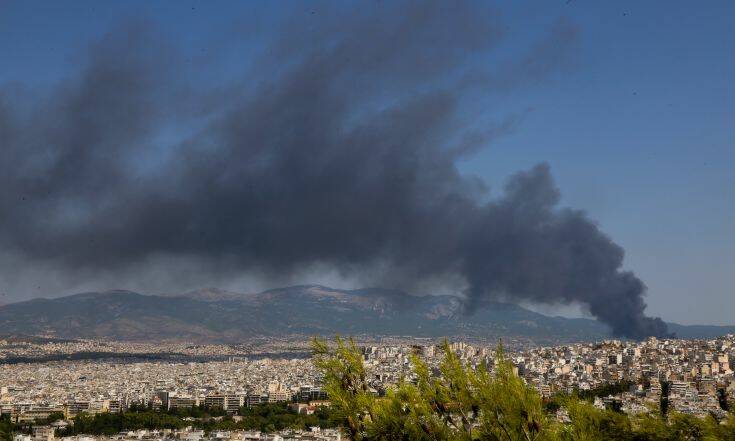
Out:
{"x": 559, "y": 155}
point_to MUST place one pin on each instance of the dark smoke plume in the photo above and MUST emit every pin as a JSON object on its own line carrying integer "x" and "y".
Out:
{"x": 337, "y": 146}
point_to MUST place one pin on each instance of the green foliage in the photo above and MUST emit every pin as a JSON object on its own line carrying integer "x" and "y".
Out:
{"x": 605, "y": 390}
{"x": 6, "y": 428}
{"x": 459, "y": 404}
{"x": 664, "y": 401}
{"x": 265, "y": 417}
{"x": 466, "y": 404}
{"x": 200, "y": 411}
{"x": 56, "y": 416}
{"x": 111, "y": 423}
{"x": 346, "y": 385}
{"x": 559, "y": 399}
{"x": 590, "y": 423}
{"x": 723, "y": 399}
{"x": 278, "y": 416}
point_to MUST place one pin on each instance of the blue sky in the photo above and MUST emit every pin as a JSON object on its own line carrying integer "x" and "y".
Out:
{"x": 639, "y": 127}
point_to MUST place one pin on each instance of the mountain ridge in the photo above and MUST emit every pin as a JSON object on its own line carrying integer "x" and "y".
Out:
{"x": 214, "y": 315}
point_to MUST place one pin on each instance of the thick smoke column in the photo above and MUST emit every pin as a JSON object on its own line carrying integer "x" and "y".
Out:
{"x": 336, "y": 147}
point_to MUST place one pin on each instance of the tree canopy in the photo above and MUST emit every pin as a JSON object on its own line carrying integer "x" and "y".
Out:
{"x": 462, "y": 403}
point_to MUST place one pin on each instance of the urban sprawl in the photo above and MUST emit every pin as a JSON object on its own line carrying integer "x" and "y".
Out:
{"x": 70, "y": 378}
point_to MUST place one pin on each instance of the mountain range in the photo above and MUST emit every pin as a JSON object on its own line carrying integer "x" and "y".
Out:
{"x": 213, "y": 315}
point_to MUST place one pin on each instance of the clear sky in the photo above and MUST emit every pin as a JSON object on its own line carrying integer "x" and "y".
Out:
{"x": 638, "y": 127}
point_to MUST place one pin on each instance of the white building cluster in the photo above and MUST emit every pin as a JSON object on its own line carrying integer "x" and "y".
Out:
{"x": 46, "y": 433}
{"x": 30, "y": 391}
{"x": 697, "y": 374}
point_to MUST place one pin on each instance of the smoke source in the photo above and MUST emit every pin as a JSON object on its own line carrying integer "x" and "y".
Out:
{"x": 336, "y": 146}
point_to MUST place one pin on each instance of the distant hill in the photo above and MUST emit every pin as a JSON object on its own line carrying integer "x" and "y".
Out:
{"x": 213, "y": 315}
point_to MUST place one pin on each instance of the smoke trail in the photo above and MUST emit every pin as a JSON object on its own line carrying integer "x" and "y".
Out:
{"x": 337, "y": 148}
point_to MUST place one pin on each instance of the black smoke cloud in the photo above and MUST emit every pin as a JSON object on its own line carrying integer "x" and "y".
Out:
{"x": 337, "y": 146}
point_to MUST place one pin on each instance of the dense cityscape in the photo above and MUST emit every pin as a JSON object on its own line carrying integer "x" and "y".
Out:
{"x": 367, "y": 220}
{"x": 696, "y": 376}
